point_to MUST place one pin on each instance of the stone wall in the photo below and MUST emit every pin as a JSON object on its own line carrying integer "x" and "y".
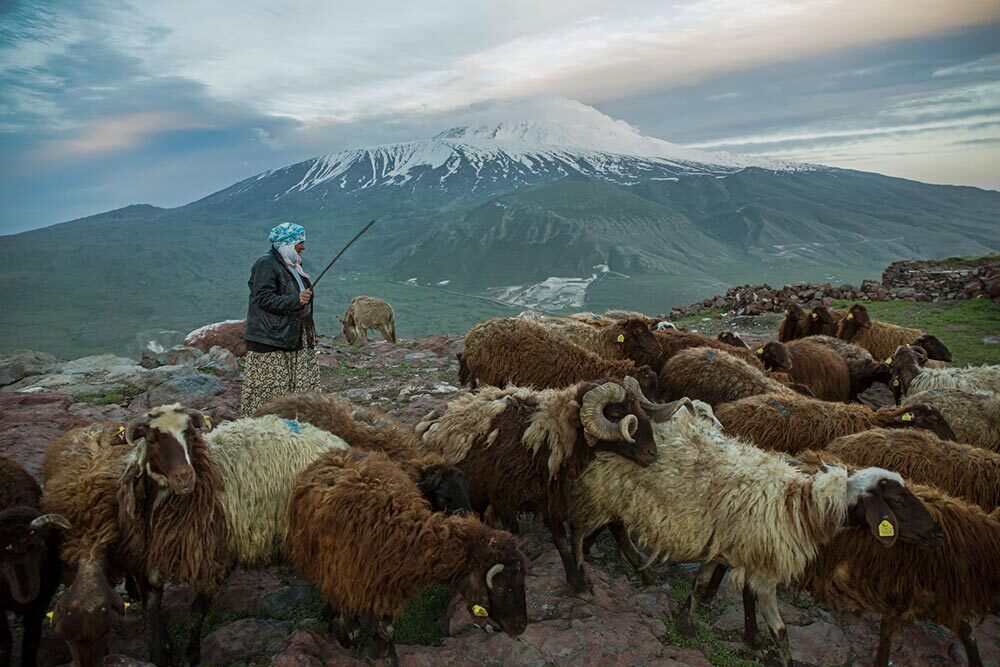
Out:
{"x": 911, "y": 280}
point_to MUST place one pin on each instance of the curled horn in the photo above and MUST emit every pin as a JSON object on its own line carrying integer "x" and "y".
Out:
{"x": 196, "y": 415}
{"x": 51, "y": 520}
{"x": 592, "y": 410}
{"x": 133, "y": 427}
{"x": 658, "y": 412}
{"x": 492, "y": 572}
{"x": 628, "y": 426}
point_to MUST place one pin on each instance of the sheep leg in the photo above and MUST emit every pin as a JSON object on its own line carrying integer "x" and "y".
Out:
{"x": 160, "y": 645}
{"x": 685, "y": 615}
{"x": 711, "y": 589}
{"x": 6, "y": 641}
{"x": 628, "y": 549}
{"x": 32, "y": 622}
{"x": 574, "y": 574}
{"x": 751, "y": 633}
{"x": 768, "y": 601}
{"x": 969, "y": 642}
{"x": 384, "y": 643}
{"x": 887, "y": 629}
{"x": 199, "y": 609}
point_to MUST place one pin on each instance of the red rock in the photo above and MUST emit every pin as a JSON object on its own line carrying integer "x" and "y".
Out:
{"x": 228, "y": 334}
{"x": 819, "y": 643}
{"x": 244, "y": 638}
{"x": 312, "y": 649}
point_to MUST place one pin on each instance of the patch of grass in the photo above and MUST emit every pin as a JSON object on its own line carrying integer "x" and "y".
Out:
{"x": 961, "y": 325}
{"x": 696, "y": 318}
{"x": 420, "y": 622}
{"x": 956, "y": 262}
{"x": 114, "y": 396}
{"x": 708, "y": 644}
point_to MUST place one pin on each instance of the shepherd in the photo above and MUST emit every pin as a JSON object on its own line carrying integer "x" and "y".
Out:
{"x": 280, "y": 332}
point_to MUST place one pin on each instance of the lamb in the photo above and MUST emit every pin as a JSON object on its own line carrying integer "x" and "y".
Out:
{"x": 862, "y": 367}
{"x": 361, "y": 532}
{"x": 951, "y": 585}
{"x": 963, "y": 471}
{"x": 501, "y": 351}
{"x": 794, "y": 325}
{"x": 711, "y": 498}
{"x": 191, "y": 507}
{"x": 791, "y": 423}
{"x": 814, "y": 365}
{"x": 672, "y": 342}
{"x": 974, "y": 416}
{"x": 615, "y": 339}
{"x": 82, "y": 476}
{"x": 543, "y": 440}
{"x": 369, "y": 429}
{"x": 882, "y": 338}
{"x": 713, "y": 376}
{"x": 29, "y": 559}
{"x": 364, "y": 313}
{"x": 908, "y": 377}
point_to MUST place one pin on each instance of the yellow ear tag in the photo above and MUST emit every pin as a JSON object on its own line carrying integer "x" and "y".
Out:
{"x": 907, "y": 417}
{"x": 888, "y": 360}
{"x": 621, "y": 338}
{"x": 885, "y": 529}
{"x": 208, "y": 423}
{"x": 121, "y": 429}
{"x": 51, "y": 615}
{"x": 895, "y": 383}
{"x": 126, "y": 605}
{"x": 760, "y": 350}
{"x": 815, "y": 316}
{"x": 480, "y": 612}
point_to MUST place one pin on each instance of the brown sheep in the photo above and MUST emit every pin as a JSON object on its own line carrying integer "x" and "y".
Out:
{"x": 612, "y": 339}
{"x": 951, "y": 585}
{"x": 714, "y": 376}
{"x": 963, "y": 471}
{"x": 792, "y": 423}
{"x": 794, "y": 325}
{"x": 823, "y": 321}
{"x": 522, "y": 449}
{"x": 882, "y": 338}
{"x": 672, "y": 342}
{"x": 364, "y": 313}
{"x": 362, "y": 533}
{"x": 29, "y": 559}
{"x": 370, "y": 429}
{"x": 523, "y": 353}
{"x": 864, "y": 369}
{"x": 732, "y": 338}
{"x": 973, "y": 415}
{"x": 814, "y": 365}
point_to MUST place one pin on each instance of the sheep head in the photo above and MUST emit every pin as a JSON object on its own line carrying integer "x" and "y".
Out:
{"x": 904, "y": 365}
{"x": 857, "y": 318}
{"x": 25, "y": 538}
{"x": 637, "y": 342}
{"x": 446, "y": 488}
{"x": 879, "y": 500}
{"x": 646, "y": 378}
{"x": 920, "y": 415}
{"x": 934, "y": 348}
{"x": 614, "y": 421}
{"x": 794, "y": 312}
{"x": 774, "y": 356}
{"x": 161, "y": 446}
{"x": 821, "y": 322}
{"x": 347, "y": 325}
{"x": 732, "y": 338}
{"x": 85, "y": 614}
{"x": 494, "y": 590}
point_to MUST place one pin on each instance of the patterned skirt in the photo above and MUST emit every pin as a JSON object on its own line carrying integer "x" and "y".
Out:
{"x": 267, "y": 374}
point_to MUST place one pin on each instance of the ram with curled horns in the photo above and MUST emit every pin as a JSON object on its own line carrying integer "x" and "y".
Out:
{"x": 544, "y": 440}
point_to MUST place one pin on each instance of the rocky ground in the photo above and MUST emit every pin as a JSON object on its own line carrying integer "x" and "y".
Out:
{"x": 269, "y": 617}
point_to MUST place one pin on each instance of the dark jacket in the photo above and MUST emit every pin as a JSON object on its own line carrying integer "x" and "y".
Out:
{"x": 274, "y": 314}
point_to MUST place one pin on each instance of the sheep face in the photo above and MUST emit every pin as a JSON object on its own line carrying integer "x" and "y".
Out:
{"x": 732, "y": 338}
{"x": 648, "y": 382}
{"x": 85, "y": 614}
{"x": 905, "y": 364}
{"x": 22, "y": 552}
{"x": 165, "y": 454}
{"x": 934, "y": 348}
{"x": 879, "y": 500}
{"x": 642, "y": 449}
{"x": 446, "y": 488}
{"x": 498, "y": 593}
{"x": 926, "y": 417}
{"x": 774, "y": 356}
{"x": 821, "y": 321}
{"x": 794, "y": 312}
{"x": 347, "y": 324}
{"x": 637, "y": 341}
{"x": 857, "y": 318}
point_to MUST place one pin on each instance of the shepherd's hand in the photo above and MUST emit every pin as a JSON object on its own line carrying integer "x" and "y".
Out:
{"x": 305, "y": 296}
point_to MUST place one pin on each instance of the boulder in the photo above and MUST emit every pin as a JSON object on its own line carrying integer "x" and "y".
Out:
{"x": 20, "y": 364}
{"x": 97, "y": 374}
{"x": 221, "y": 361}
{"x": 243, "y": 639}
{"x": 185, "y": 388}
{"x": 183, "y": 355}
{"x": 228, "y": 334}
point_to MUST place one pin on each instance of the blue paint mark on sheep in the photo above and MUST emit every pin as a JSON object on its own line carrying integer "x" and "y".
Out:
{"x": 292, "y": 425}
{"x": 782, "y": 410}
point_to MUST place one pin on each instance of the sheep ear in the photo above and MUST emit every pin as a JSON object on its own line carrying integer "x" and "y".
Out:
{"x": 880, "y": 519}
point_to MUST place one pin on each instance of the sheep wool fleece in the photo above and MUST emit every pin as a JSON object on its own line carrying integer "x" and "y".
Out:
{"x": 269, "y": 374}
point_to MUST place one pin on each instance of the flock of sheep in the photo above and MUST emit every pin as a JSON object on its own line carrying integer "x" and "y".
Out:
{"x": 685, "y": 447}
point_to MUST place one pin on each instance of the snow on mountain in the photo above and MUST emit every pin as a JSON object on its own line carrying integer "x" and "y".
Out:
{"x": 571, "y": 139}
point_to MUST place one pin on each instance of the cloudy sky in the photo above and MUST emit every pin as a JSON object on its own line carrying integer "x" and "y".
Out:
{"x": 106, "y": 103}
